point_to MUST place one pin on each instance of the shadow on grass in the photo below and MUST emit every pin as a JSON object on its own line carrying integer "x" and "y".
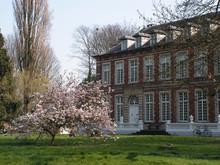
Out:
{"x": 132, "y": 156}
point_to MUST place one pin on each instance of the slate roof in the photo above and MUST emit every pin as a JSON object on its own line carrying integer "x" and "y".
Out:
{"x": 197, "y": 21}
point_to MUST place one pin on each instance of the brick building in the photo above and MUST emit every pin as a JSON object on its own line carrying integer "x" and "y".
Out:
{"x": 164, "y": 73}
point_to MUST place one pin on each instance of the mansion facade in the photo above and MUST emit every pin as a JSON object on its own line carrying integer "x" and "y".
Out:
{"x": 162, "y": 74}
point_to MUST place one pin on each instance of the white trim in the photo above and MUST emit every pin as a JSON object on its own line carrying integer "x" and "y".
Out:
{"x": 177, "y": 105}
{"x": 151, "y": 60}
{"x": 184, "y": 54}
{"x": 109, "y": 81}
{"x": 153, "y": 105}
{"x": 123, "y": 75}
{"x": 216, "y": 61}
{"x": 116, "y": 110}
{"x": 129, "y": 70}
{"x": 196, "y": 104}
{"x": 217, "y": 105}
{"x": 167, "y": 58}
{"x": 160, "y": 103}
{"x": 203, "y": 64}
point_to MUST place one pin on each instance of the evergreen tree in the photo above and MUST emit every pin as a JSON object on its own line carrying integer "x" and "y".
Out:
{"x": 8, "y": 103}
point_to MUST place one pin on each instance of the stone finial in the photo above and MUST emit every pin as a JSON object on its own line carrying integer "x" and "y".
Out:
{"x": 191, "y": 118}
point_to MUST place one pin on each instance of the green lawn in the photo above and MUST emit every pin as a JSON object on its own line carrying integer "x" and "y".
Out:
{"x": 152, "y": 150}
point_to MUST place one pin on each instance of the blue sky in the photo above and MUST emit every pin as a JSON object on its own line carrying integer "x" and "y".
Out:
{"x": 67, "y": 15}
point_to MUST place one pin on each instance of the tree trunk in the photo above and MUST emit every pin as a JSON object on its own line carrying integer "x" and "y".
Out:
{"x": 52, "y": 139}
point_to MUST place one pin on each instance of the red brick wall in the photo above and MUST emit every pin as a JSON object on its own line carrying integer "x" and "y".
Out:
{"x": 184, "y": 85}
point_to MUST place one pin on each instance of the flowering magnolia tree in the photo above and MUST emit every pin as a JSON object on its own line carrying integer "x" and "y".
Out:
{"x": 69, "y": 105}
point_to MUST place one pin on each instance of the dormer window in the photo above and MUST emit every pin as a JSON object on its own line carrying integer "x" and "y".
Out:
{"x": 141, "y": 39}
{"x": 169, "y": 36}
{"x": 173, "y": 33}
{"x": 126, "y": 42}
{"x": 190, "y": 30}
{"x": 138, "y": 42}
{"x": 124, "y": 45}
{"x": 153, "y": 39}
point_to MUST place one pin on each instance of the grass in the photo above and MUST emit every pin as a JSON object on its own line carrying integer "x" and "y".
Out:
{"x": 143, "y": 150}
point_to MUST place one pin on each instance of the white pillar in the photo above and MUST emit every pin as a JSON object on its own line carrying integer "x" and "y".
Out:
{"x": 167, "y": 124}
{"x": 191, "y": 123}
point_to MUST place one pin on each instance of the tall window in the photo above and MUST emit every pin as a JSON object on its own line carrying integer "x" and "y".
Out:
{"x": 106, "y": 73}
{"x": 181, "y": 65}
{"x": 200, "y": 64}
{"x": 149, "y": 68}
{"x": 217, "y": 62}
{"x": 182, "y": 106}
{"x": 118, "y": 108}
{"x": 218, "y": 103}
{"x": 119, "y": 72}
{"x": 133, "y": 70}
{"x": 201, "y": 105}
{"x": 149, "y": 107}
{"x": 165, "y": 66}
{"x": 165, "y": 111}
{"x": 153, "y": 39}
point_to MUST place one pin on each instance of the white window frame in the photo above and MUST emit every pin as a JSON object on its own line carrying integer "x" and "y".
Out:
{"x": 182, "y": 65}
{"x": 217, "y": 62}
{"x": 153, "y": 39}
{"x": 201, "y": 67}
{"x": 170, "y": 36}
{"x": 183, "y": 104}
{"x": 148, "y": 61}
{"x": 150, "y": 118}
{"x": 119, "y": 72}
{"x": 196, "y": 106}
{"x": 124, "y": 45}
{"x": 217, "y": 104}
{"x": 168, "y": 112}
{"x": 118, "y": 108}
{"x": 136, "y": 72}
{"x": 138, "y": 42}
{"x": 165, "y": 59}
{"x": 108, "y": 81}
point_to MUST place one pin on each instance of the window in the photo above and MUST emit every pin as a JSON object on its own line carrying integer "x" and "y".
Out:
{"x": 217, "y": 62}
{"x": 169, "y": 37}
{"x": 182, "y": 106}
{"x": 118, "y": 108}
{"x": 165, "y": 66}
{"x": 201, "y": 105}
{"x": 124, "y": 45}
{"x": 165, "y": 106}
{"x": 138, "y": 42}
{"x": 149, "y": 107}
{"x": 149, "y": 68}
{"x": 133, "y": 100}
{"x": 218, "y": 103}
{"x": 133, "y": 71}
{"x": 153, "y": 39}
{"x": 106, "y": 73}
{"x": 181, "y": 65}
{"x": 119, "y": 72}
{"x": 200, "y": 64}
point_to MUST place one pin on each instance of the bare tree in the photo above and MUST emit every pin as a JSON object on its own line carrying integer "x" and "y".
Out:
{"x": 29, "y": 47}
{"x": 97, "y": 40}
{"x": 205, "y": 18}
{"x": 180, "y": 10}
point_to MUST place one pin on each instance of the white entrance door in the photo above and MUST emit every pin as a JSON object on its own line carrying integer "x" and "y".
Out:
{"x": 133, "y": 113}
